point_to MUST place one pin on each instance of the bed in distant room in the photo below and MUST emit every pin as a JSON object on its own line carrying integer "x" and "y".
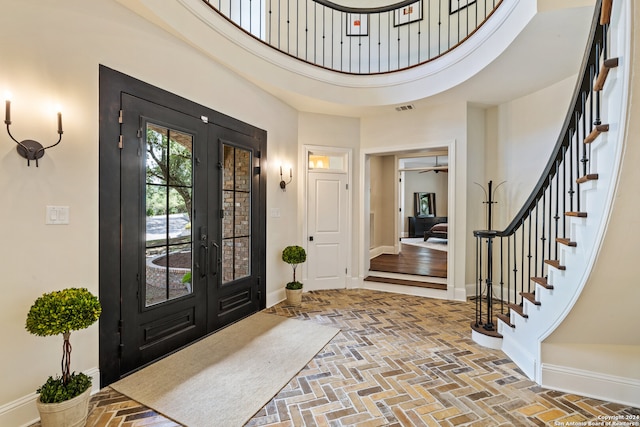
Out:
{"x": 438, "y": 230}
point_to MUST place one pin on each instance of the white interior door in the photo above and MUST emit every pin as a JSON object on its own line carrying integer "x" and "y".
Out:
{"x": 327, "y": 229}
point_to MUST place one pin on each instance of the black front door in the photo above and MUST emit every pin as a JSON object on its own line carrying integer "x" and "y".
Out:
{"x": 190, "y": 237}
{"x": 165, "y": 265}
{"x": 238, "y": 285}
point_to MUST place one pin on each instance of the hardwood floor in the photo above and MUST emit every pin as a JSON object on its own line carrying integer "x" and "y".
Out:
{"x": 413, "y": 260}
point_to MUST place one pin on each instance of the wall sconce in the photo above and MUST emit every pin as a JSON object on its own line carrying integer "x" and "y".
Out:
{"x": 283, "y": 184}
{"x": 30, "y": 149}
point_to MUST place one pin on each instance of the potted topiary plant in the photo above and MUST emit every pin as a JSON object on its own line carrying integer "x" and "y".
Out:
{"x": 294, "y": 255}
{"x": 64, "y": 401}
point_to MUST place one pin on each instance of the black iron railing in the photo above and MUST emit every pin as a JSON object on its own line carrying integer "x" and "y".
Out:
{"x": 359, "y": 40}
{"x": 510, "y": 262}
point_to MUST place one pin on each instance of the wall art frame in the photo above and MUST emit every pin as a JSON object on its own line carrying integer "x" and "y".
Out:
{"x": 408, "y": 14}
{"x": 357, "y": 24}
{"x": 424, "y": 204}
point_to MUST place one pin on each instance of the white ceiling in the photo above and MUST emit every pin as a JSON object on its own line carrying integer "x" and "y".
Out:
{"x": 549, "y": 50}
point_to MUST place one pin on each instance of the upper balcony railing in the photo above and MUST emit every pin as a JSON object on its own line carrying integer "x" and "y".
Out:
{"x": 359, "y": 40}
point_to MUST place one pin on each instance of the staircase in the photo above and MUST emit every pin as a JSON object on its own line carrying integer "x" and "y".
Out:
{"x": 530, "y": 275}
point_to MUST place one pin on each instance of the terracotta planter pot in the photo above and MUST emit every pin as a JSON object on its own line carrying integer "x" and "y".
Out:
{"x": 294, "y": 296}
{"x": 70, "y": 413}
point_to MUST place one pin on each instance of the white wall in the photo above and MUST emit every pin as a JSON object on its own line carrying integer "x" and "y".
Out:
{"x": 476, "y": 217}
{"x": 383, "y": 199}
{"x": 51, "y": 52}
{"x": 520, "y": 137}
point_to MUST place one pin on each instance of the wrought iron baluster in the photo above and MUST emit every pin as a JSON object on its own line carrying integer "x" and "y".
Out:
{"x": 501, "y": 275}
{"x": 556, "y": 217}
{"x": 577, "y": 144}
{"x": 535, "y": 257}
{"x": 585, "y": 159}
{"x": 564, "y": 192}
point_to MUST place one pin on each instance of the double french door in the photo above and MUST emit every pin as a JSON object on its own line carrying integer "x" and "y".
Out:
{"x": 191, "y": 242}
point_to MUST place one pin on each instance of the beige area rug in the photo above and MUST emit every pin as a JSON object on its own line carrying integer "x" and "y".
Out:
{"x": 433, "y": 243}
{"x": 224, "y": 379}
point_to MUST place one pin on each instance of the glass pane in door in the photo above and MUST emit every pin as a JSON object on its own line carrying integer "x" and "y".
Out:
{"x": 168, "y": 207}
{"x": 236, "y": 204}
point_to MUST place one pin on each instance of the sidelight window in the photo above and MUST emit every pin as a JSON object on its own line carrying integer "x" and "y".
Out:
{"x": 168, "y": 207}
{"x": 236, "y": 224}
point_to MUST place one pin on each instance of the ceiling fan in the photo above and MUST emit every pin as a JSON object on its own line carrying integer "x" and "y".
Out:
{"x": 437, "y": 168}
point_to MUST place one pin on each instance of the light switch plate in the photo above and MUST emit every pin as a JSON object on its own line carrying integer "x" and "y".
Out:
{"x": 57, "y": 215}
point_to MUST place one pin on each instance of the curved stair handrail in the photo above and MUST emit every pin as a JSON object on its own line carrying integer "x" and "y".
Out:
{"x": 571, "y": 123}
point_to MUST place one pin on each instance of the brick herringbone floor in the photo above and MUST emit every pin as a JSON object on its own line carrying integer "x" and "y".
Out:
{"x": 398, "y": 361}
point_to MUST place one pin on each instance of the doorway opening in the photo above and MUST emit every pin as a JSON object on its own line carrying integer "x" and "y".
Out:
{"x": 408, "y": 192}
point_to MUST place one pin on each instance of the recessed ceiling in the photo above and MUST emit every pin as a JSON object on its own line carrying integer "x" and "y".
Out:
{"x": 547, "y": 51}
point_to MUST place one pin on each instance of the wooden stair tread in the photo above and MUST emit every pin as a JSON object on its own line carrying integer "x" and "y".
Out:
{"x": 506, "y": 319}
{"x": 595, "y": 133}
{"x": 605, "y": 12}
{"x": 576, "y": 214}
{"x": 542, "y": 281}
{"x": 588, "y": 177}
{"x": 393, "y": 281}
{"x": 566, "y": 242}
{"x": 555, "y": 263}
{"x": 604, "y": 72}
{"x": 518, "y": 309}
{"x": 529, "y": 296}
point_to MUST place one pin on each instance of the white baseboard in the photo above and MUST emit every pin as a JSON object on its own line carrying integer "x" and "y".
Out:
{"x": 22, "y": 412}
{"x": 525, "y": 361}
{"x": 354, "y": 282}
{"x": 460, "y": 294}
{"x": 274, "y": 297}
{"x": 471, "y": 289}
{"x": 625, "y": 391}
{"x": 374, "y": 252}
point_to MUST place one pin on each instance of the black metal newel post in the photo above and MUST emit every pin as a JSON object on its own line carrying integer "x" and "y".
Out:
{"x": 489, "y": 235}
{"x": 489, "y": 326}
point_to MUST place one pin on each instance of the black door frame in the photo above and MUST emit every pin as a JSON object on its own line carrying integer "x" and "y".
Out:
{"x": 112, "y": 84}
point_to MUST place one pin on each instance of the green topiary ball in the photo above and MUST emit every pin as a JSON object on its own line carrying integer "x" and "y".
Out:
{"x": 294, "y": 255}
{"x": 63, "y": 311}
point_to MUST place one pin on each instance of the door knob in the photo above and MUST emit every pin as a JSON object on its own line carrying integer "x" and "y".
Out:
{"x": 311, "y": 238}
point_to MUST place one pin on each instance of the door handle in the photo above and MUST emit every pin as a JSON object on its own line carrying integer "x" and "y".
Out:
{"x": 214, "y": 259}
{"x": 311, "y": 238}
{"x": 204, "y": 259}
